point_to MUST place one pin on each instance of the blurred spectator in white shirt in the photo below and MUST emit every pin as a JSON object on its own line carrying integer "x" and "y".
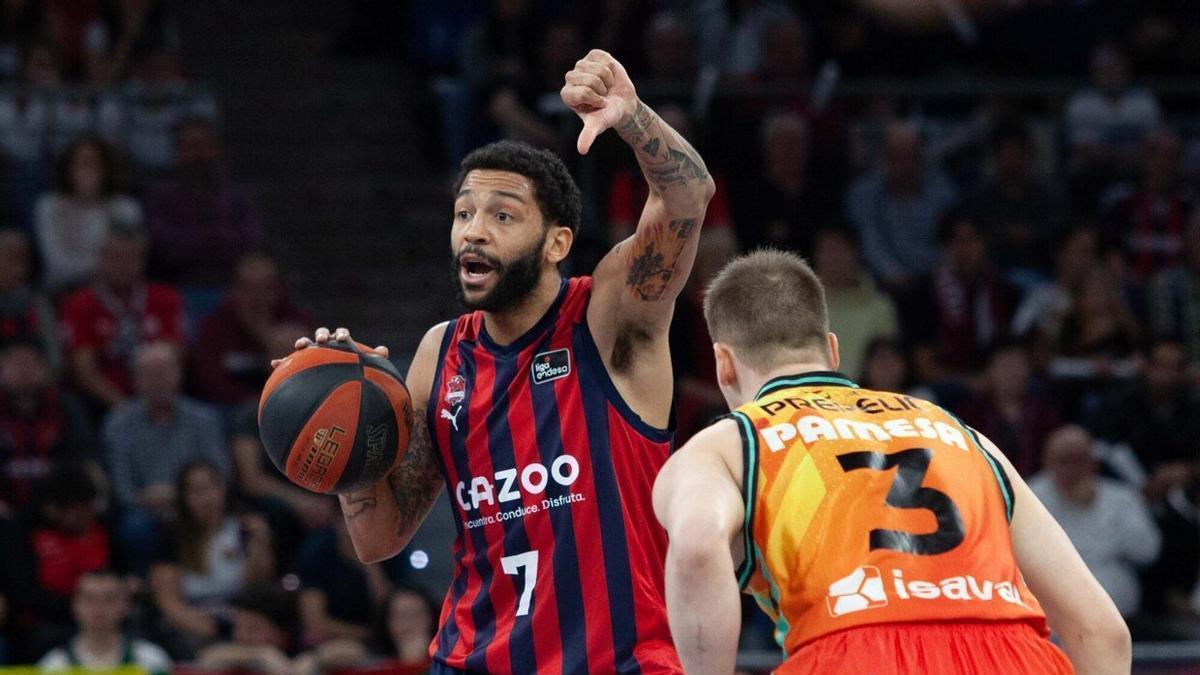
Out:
{"x": 1107, "y": 522}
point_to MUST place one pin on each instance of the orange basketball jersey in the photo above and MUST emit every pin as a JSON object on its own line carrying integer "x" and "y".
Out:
{"x": 866, "y": 507}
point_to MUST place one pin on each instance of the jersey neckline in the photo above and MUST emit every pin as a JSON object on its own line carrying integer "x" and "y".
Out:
{"x": 815, "y": 378}
{"x": 528, "y": 336}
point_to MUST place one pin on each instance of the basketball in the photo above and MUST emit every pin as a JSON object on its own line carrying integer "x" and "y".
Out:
{"x": 335, "y": 418}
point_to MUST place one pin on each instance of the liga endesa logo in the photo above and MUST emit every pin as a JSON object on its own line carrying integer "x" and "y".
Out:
{"x": 865, "y": 588}
{"x": 553, "y": 365}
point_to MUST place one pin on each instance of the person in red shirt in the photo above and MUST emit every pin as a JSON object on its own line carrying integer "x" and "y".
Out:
{"x": 105, "y": 322}
{"x": 231, "y": 352}
{"x": 61, "y": 542}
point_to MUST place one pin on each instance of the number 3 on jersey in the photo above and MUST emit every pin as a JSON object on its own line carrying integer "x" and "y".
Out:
{"x": 907, "y": 493}
{"x": 512, "y": 564}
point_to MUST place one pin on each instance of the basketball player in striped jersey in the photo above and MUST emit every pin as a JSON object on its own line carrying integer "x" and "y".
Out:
{"x": 547, "y": 407}
{"x": 879, "y": 533}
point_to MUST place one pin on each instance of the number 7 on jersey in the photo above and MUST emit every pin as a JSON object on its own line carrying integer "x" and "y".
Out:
{"x": 512, "y": 564}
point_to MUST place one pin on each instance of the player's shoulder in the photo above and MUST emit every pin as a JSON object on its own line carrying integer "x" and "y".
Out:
{"x": 723, "y": 437}
{"x": 431, "y": 342}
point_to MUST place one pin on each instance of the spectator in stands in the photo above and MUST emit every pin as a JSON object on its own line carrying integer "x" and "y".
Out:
{"x": 973, "y": 302}
{"x": 100, "y": 606}
{"x": 25, "y": 316}
{"x": 1175, "y": 298}
{"x": 40, "y": 424}
{"x": 896, "y": 210}
{"x": 411, "y": 620}
{"x": 1044, "y": 311}
{"x": 1159, "y": 418}
{"x": 20, "y": 23}
{"x": 1010, "y": 411}
{"x": 740, "y": 32}
{"x": 209, "y": 556}
{"x": 1169, "y": 584}
{"x": 780, "y": 205}
{"x": 62, "y": 539}
{"x": 1107, "y": 522}
{"x": 1106, "y": 123}
{"x": 263, "y": 625}
{"x": 858, "y": 312}
{"x": 339, "y": 595}
{"x": 1100, "y": 326}
{"x": 231, "y": 349}
{"x": 263, "y": 621}
{"x": 150, "y": 438}
{"x": 668, "y": 52}
{"x": 885, "y": 366}
{"x": 1145, "y": 222}
{"x": 72, "y": 223}
{"x": 200, "y": 221}
{"x": 510, "y": 71}
{"x": 105, "y": 322}
{"x": 143, "y": 116}
{"x": 25, "y": 115}
{"x": 1021, "y": 214}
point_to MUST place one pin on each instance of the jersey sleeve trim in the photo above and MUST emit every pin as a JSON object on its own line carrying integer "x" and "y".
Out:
{"x": 749, "y": 486}
{"x": 585, "y": 344}
{"x": 436, "y": 386}
{"x": 1006, "y": 489}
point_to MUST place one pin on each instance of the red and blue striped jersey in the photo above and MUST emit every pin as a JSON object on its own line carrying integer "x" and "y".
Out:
{"x": 559, "y": 558}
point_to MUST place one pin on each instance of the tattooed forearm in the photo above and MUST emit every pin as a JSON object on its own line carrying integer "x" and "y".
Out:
{"x": 669, "y": 162}
{"x": 653, "y": 256}
{"x": 416, "y": 481}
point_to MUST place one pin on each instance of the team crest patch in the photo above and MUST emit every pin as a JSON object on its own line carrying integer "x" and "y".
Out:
{"x": 456, "y": 390}
{"x": 549, "y": 366}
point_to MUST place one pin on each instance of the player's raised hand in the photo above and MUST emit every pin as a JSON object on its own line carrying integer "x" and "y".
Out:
{"x": 323, "y": 336}
{"x": 599, "y": 90}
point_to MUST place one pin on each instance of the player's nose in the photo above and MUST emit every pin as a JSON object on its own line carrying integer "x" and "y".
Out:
{"x": 475, "y": 231}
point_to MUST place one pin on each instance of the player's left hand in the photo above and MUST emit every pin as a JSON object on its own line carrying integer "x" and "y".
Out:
{"x": 599, "y": 90}
{"x": 324, "y": 336}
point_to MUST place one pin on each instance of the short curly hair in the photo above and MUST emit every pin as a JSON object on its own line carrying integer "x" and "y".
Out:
{"x": 553, "y": 188}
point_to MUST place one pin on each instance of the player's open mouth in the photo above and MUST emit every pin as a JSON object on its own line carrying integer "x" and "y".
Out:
{"x": 474, "y": 270}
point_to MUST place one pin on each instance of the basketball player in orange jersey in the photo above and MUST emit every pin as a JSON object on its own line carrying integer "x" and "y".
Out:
{"x": 879, "y": 533}
{"x": 545, "y": 411}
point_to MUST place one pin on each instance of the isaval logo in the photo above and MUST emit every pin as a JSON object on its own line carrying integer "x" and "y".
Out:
{"x": 864, "y": 588}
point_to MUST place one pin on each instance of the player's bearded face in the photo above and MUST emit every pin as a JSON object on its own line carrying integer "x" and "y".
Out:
{"x": 513, "y": 279}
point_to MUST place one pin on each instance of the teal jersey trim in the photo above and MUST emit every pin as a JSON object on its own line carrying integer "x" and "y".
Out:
{"x": 997, "y": 470}
{"x": 749, "y": 489}
{"x": 828, "y": 379}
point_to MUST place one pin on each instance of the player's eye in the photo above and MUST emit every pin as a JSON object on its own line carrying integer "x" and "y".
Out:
{"x": 463, "y": 215}
{"x": 503, "y": 217}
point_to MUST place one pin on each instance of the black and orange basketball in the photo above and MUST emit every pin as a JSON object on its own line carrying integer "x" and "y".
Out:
{"x": 335, "y": 418}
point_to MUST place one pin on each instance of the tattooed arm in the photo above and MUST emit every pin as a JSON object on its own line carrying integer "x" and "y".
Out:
{"x": 383, "y": 518}
{"x": 635, "y": 285}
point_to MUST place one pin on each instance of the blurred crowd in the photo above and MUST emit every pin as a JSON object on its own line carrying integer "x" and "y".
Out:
{"x": 1027, "y": 257}
{"x": 1029, "y": 261}
{"x": 139, "y": 309}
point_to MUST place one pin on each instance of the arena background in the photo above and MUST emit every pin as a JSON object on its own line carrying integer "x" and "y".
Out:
{"x": 999, "y": 194}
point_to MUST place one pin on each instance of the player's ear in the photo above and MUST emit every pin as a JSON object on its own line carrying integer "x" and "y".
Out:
{"x": 726, "y": 373}
{"x": 558, "y": 243}
{"x": 835, "y": 354}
